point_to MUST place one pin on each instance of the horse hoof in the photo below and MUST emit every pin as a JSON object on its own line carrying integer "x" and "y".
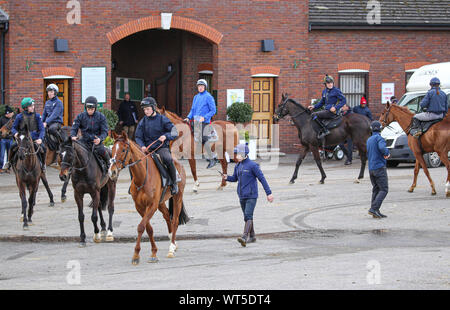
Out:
{"x": 30, "y": 223}
{"x": 220, "y": 188}
{"x": 170, "y": 255}
{"x": 21, "y": 218}
{"x": 63, "y": 199}
{"x": 51, "y": 204}
{"x": 109, "y": 238}
{"x": 410, "y": 190}
{"x": 153, "y": 260}
{"x": 357, "y": 181}
{"x": 447, "y": 195}
{"x": 82, "y": 245}
{"x": 321, "y": 182}
{"x": 291, "y": 182}
{"x": 26, "y": 228}
{"x": 135, "y": 261}
{"x": 97, "y": 238}
{"x": 433, "y": 193}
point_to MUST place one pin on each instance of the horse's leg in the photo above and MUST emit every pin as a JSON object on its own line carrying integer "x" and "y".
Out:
{"x": 94, "y": 217}
{"x": 79, "y": 200}
{"x": 419, "y": 157}
{"x": 363, "y": 155}
{"x": 300, "y": 158}
{"x": 111, "y": 195}
{"x": 193, "y": 166}
{"x": 153, "y": 257}
{"x": 165, "y": 212}
{"x": 224, "y": 164}
{"x": 49, "y": 192}
{"x": 64, "y": 189}
{"x": 102, "y": 223}
{"x": 443, "y": 155}
{"x": 32, "y": 201}
{"x": 23, "y": 199}
{"x": 177, "y": 206}
{"x": 316, "y": 155}
{"x": 416, "y": 172}
{"x": 149, "y": 211}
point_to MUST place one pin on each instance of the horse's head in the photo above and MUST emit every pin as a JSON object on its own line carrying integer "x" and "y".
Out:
{"x": 25, "y": 143}
{"x": 282, "y": 110}
{"x": 121, "y": 154}
{"x": 67, "y": 158}
{"x": 386, "y": 116}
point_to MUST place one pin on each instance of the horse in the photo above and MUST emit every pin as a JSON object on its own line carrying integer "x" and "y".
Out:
{"x": 147, "y": 192}
{"x": 188, "y": 141}
{"x": 52, "y": 157}
{"x": 6, "y": 129}
{"x": 28, "y": 173}
{"x": 79, "y": 164}
{"x": 436, "y": 139}
{"x": 354, "y": 126}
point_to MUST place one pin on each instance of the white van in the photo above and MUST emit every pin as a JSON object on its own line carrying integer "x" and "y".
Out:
{"x": 417, "y": 88}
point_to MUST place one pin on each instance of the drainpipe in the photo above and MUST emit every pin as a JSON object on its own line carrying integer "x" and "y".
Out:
{"x": 2, "y": 61}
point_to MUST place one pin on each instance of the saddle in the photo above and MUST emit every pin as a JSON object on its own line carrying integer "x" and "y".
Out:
{"x": 51, "y": 141}
{"x": 424, "y": 126}
{"x": 166, "y": 180}
{"x": 328, "y": 123}
{"x": 104, "y": 166}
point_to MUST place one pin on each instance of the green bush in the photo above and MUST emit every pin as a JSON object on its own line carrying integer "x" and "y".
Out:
{"x": 240, "y": 112}
{"x": 2, "y": 109}
{"x": 111, "y": 117}
{"x": 108, "y": 141}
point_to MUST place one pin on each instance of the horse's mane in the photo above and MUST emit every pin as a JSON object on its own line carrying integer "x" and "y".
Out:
{"x": 299, "y": 105}
{"x": 130, "y": 142}
{"x": 403, "y": 109}
{"x": 173, "y": 115}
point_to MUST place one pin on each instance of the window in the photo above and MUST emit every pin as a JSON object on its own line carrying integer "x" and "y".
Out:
{"x": 408, "y": 75}
{"x": 208, "y": 79}
{"x": 353, "y": 86}
{"x": 414, "y": 106}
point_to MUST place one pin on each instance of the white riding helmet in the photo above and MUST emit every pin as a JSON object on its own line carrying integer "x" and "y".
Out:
{"x": 53, "y": 87}
{"x": 202, "y": 82}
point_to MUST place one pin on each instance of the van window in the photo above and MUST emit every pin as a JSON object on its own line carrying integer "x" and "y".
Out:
{"x": 413, "y": 105}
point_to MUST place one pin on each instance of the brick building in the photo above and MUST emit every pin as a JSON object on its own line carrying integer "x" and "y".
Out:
{"x": 162, "y": 47}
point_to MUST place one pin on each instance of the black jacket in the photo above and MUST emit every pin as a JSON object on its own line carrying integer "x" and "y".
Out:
{"x": 151, "y": 128}
{"x": 125, "y": 113}
{"x": 90, "y": 126}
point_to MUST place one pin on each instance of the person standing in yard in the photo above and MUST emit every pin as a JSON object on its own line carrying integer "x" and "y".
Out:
{"x": 6, "y": 142}
{"x": 128, "y": 116}
{"x": 377, "y": 154}
{"x": 245, "y": 173}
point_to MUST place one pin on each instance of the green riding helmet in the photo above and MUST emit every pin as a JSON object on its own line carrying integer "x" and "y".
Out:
{"x": 26, "y": 102}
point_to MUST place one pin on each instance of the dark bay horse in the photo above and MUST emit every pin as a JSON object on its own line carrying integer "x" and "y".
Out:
{"x": 436, "y": 139}
{"x": 28, "y": 173}
{"x": 147, "y": 192}
{"x": 88, "y": 178}
{"x": 226, "y": 131}
{"x": 354, "y": 126}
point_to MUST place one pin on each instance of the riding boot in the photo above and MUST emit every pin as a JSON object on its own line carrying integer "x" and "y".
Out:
{"x": 324, "y": 132}
{"x": 41, "y": 157}
{"x": 173, "y": 176}
{"x": 252, "y": 237}
{"x": 416, "y": 130}
{"x": 245, "y": 237}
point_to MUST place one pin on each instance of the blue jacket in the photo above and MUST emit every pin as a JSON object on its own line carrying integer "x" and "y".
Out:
{"x": 53, "y": 111}
{"x": 331, "y": 98}
{"x": 363, "y": 111}
{"x": 376, "y": 150}
{"x": 90, "y": 126}
{"x": 151, "y": 128}
{"x": 435, "y": 103}
{"x": 246, "y": 173}
{"x": 203, "y": 105}
{"x": 35, "y": 134}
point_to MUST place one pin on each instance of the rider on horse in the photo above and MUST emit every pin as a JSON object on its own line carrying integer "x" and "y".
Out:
{"x": 36, "y": 128}
{"x": 94, "y": 129}
{"x": 156, "y": 127}
{"x": 202, "y": 110}
{"x": 53, "y": 112}
{"x": 434, "y": 105}
{"x": 333, "y": 99}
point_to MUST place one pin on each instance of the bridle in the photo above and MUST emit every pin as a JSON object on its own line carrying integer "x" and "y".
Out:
{"x": 72, "y": 165}
{"x": 282, "y": 107}
{"x": 385, "y": 119}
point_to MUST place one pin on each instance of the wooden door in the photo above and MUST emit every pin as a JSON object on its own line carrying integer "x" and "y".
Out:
{"x": 262, "y": 103}
{"x": 63, "y": 95}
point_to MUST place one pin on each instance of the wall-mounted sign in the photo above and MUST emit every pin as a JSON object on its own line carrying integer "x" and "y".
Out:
{"x": 93, "y": 83}
{"x": 234, "y": 95}
{"x": 387, "y": 91}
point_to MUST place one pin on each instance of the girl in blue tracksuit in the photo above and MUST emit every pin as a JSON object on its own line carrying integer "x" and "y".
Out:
{"x": 245, "y": 173}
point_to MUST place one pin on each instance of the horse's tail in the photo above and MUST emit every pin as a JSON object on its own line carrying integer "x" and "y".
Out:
{"x": 103, "y": 198}
{"x": 183, "y": 218}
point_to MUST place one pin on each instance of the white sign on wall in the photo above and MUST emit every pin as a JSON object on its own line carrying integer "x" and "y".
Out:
{"x": 387, "y": 91}
{"x": 93, "y": 83}
{"x": 234, "y": 95}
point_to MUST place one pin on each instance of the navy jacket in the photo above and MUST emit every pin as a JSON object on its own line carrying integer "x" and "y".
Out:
{"x": 246, "y": 173}
{"x": 127, "y": 113}
{"x": 36, "y": 134}
{"x": 331, "y": 98}
{"x": 376, "y": 150}
{"x": 203, "y": 105}
{"x": 435, "y": 103}
{"x": 90, "y": 126}
{"x": 363, "y": 111}
{"x": 151, "y": 128}
{"x": 53, "y": 111}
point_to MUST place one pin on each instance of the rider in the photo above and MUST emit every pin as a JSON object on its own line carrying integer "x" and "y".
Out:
{"x": 36, "y": 128}
{"x": 53, "y": 112}
{"x": 434, "y": 105}
{"x": 156, "y": 127}
{"x": 203, "y": 108}
{"x": 94, "y": 129}
{"x": 333, "y": 99}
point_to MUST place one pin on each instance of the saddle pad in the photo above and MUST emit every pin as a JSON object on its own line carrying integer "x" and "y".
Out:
{"x": 427, "y": 125}
{"x": 328, "y": 123}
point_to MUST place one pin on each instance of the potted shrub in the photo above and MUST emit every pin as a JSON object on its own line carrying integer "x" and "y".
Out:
{"x": 112, "y": 120}
{"x": 241, "y": 114}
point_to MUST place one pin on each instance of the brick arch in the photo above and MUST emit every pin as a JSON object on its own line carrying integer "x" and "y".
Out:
{"x": 51, "y": 71}
{"x": 154, "y": 22}
{"x": 265, "y": 70}
{"x": 354, "y": 66}
{"x": 415, "y": 65}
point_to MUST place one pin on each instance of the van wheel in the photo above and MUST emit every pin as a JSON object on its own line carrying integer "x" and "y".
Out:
{"x": 432, "y": 160}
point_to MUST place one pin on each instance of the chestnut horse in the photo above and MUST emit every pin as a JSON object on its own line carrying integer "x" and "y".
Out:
{"x": 436, "y": 139}
{"x": 222, "y": 145}
{"x": 147, "y": 192}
